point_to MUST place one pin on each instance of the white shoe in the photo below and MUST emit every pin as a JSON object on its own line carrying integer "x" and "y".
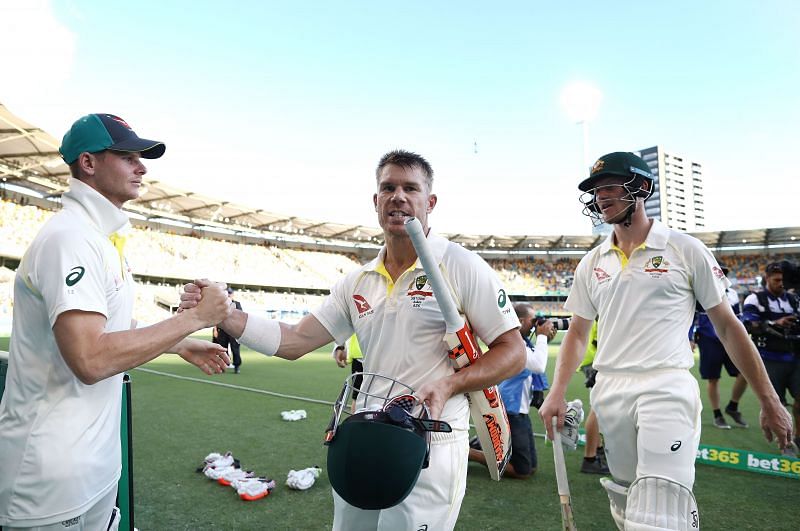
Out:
{"x": 294, "y": 414}
{"x": 303, "y": 479}
{"x": 227, "y": 477}
{"x": 254, "y": 488}
{"x": 216, "y": 473}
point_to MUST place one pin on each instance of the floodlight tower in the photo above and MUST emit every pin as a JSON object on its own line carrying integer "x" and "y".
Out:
{"x": 581, "y": 101}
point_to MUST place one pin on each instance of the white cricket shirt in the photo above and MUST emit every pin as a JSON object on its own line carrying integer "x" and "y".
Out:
{"x": 59, "y": 438}
{"x": 399, "y": 325}
{"x": 646, "y": 302}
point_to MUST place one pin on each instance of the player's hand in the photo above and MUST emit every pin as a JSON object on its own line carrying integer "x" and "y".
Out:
{"x": 553, "y": 406}
{"x": 191, "y": 295}
{"x": 434, "y": 395}
{"x": 214, "y": 305}
{"x": 340, "y": 355}
{"x": 776, "y": 423}
{"x": 208, "y": 357}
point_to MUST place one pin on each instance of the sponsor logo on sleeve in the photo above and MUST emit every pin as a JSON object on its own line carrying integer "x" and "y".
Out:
{"x": 75, "y": 275}
{"x": 502, "y": 298}
{"x": 718, "y": 272}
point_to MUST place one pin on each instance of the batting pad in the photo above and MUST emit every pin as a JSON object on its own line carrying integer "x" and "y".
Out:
{"x": 656, "y": 503}
{"x": 618, "y": 500}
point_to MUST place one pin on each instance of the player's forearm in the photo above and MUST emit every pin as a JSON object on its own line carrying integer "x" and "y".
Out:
{"x": 504, "y": 358}
{"x": 235, "y": 323}
{"x": 115, "y": 352}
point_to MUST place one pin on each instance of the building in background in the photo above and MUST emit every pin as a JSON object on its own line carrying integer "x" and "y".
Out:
{"x": 677, "y": 198}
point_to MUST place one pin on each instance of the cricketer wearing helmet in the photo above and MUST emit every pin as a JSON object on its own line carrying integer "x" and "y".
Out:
{"x": 643, "y": 281}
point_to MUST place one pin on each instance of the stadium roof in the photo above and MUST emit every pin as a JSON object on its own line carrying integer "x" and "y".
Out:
{"x": 30, "y": 160}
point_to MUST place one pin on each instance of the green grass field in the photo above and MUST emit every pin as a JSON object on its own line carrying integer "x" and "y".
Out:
{"x": 176, "y": 422}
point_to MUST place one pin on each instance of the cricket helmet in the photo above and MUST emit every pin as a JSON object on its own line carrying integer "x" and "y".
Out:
{"x": 632, "y": 168}
{"x": 375, "y": 455}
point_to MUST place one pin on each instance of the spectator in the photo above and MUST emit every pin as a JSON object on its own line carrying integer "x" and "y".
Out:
{"x": 713, "y": 356}
{"x": 771, "y": 318}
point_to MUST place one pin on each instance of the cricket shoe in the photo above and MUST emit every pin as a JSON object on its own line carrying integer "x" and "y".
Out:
{"x": 229, "y": 475}
{"x": 251, "y": 489}
{"x": 721, "y": 423}
{"x": 216, "y": 460}
{"x": 294, "y": 414}
{"x": 738, "y": 420}
{"x": 303, "y": 479}
{"x": 595, "y": 467}
{"x": 216, "y": 473}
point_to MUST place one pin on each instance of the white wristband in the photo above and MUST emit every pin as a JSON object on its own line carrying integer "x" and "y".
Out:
{"x": 261, "y": 334}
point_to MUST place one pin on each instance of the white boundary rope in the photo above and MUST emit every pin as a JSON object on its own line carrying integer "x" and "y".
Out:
{"x": 237, "y": 387}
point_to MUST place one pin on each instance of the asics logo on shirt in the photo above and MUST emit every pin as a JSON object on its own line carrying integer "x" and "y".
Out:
{"x": 675, "y": 446}
{"x": 75, "y": 274}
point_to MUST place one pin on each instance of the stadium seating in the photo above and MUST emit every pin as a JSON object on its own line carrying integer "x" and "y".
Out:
{"x": 278, "y": 276}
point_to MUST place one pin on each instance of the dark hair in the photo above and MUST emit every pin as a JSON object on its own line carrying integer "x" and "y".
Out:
{"x": 522, "y": 309}
{"x": 407, "y": 160}
{"x": 774, "y": 267}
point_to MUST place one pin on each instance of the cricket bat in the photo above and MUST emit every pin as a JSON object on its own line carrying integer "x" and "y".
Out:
{"x": 486, "y": 406}
{"x": 567, "y": 519}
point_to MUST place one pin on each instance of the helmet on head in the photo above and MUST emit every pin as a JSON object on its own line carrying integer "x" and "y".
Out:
{"x": 375, "y": 455}
{"x": 634, "y": 171}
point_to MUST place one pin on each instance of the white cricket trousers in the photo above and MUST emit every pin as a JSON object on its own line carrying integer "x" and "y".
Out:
{"x": 650, "y": 423}
{"x": 96, "y": 518}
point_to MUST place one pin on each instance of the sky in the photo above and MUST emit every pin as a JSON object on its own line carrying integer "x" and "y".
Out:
{"x": 288, "y": 106}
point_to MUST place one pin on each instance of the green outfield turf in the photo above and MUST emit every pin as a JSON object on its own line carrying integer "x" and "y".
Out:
{"x": 177, "y": 422}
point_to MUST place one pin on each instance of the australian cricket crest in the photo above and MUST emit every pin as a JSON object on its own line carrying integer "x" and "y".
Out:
{"x": 417, "y": 292}
{"x": 656, "y": 266}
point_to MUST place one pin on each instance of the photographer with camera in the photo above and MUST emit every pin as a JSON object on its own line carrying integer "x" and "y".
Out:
{"x": 771, "y": 317}
{"x": 518, "y": 395}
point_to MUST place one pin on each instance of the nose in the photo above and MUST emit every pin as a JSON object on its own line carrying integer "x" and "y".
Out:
{"x": 142, "y": 169}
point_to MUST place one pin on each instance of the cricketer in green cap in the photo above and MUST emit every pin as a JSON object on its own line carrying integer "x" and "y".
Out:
{"x": 98, "y": 132}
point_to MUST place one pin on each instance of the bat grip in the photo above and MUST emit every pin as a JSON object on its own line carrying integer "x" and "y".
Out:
{"x": 452, "y": 318}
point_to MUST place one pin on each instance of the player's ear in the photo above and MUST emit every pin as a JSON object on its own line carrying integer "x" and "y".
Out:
{"x": 432, "y": 199}
{"x": 375, "y": 201}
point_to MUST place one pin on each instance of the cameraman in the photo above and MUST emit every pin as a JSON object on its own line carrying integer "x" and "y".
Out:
{"x": 516, "y": 395}
{"x": 770, "y": 316}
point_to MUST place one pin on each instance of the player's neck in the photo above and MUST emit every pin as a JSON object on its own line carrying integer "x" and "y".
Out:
{"x": 400, "y": 255}
{"x": 630, "y": 237}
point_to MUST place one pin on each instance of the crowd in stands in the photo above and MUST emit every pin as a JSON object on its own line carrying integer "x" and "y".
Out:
{"x": 158, "y": 254}
{"x": 536, "y": 276}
